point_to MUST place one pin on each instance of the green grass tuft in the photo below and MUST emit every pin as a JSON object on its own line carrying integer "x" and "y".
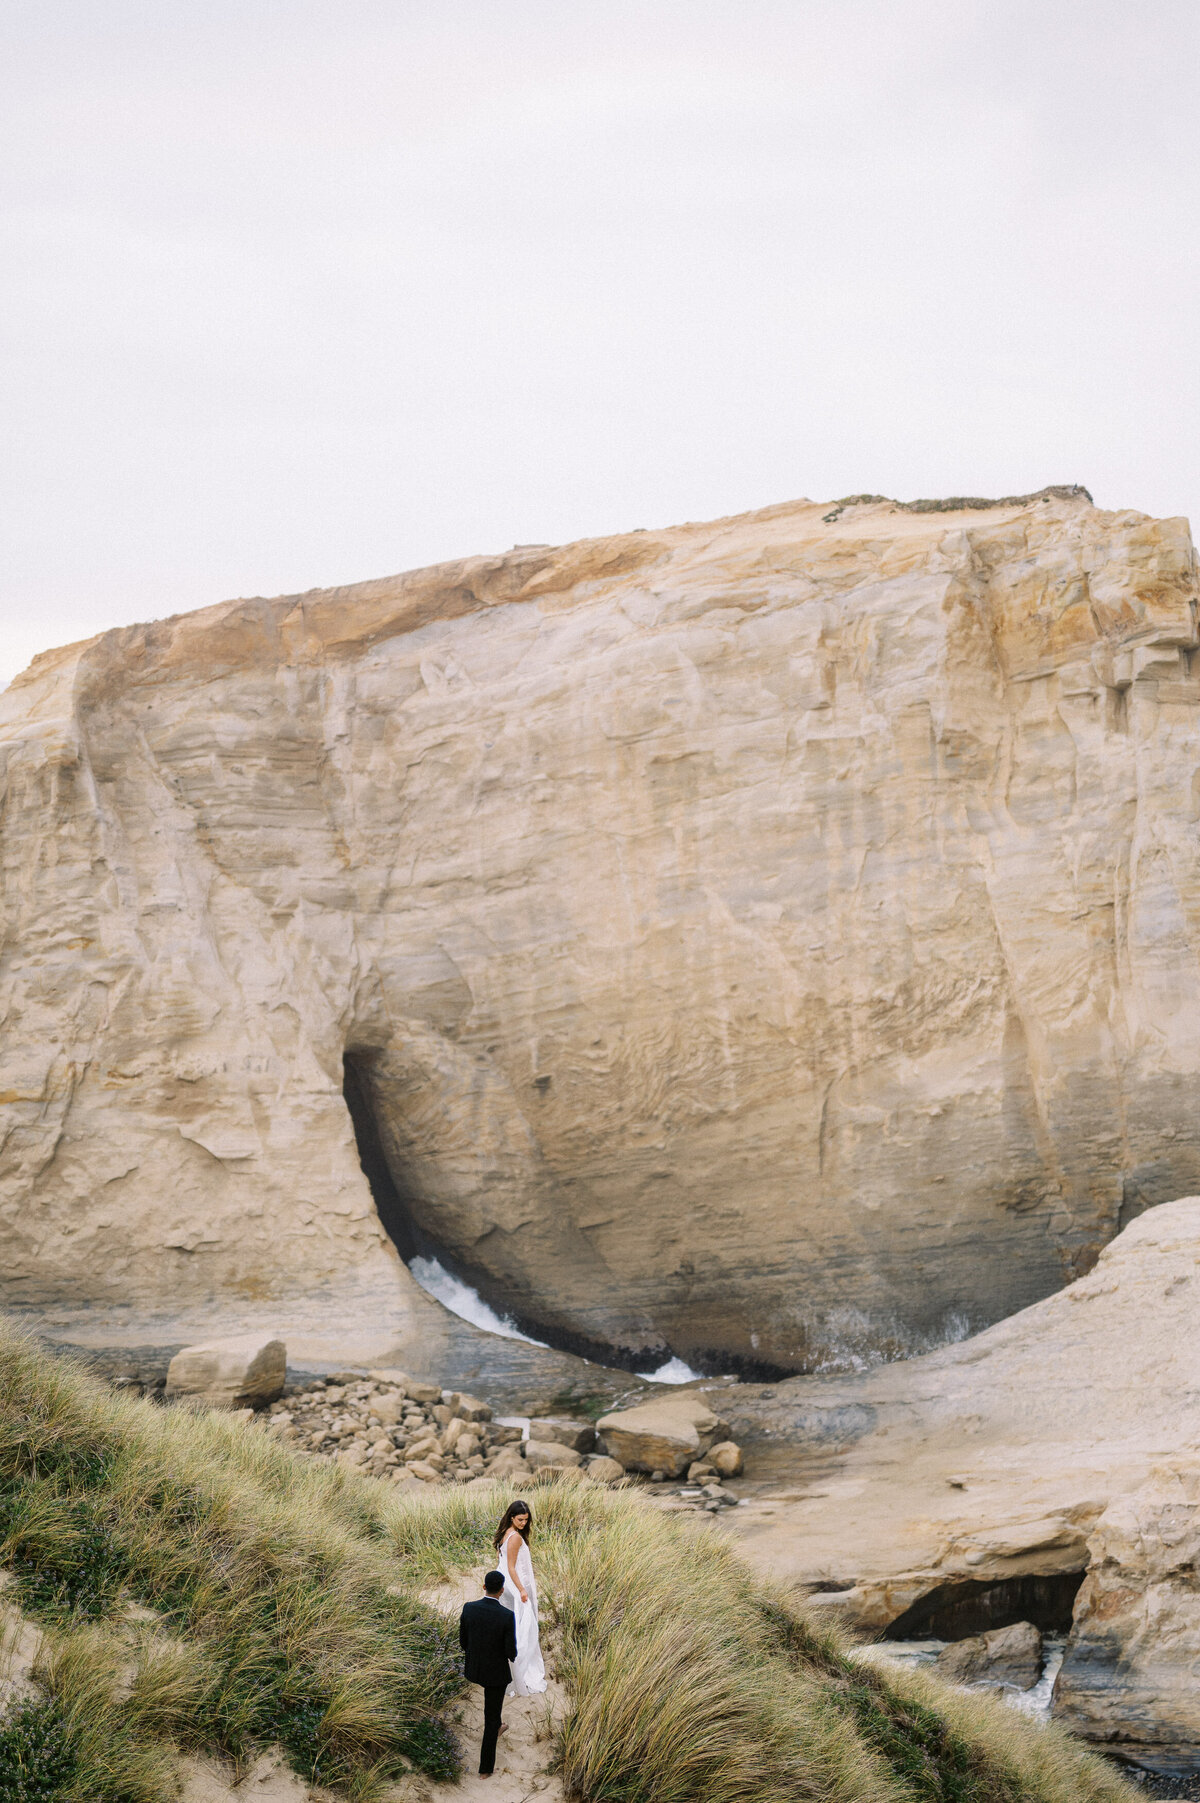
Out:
{"x": 37, "y": 1761}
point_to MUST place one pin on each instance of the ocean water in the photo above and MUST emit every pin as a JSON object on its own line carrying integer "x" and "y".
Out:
{"x": 469, "y": 1305}
{"x": 1034, "y": 1702}
{"x": 465, "y": 1302}
{"x": 673, "y": 1372}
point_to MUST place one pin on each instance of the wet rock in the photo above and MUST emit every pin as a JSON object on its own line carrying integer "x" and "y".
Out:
{"x": 988, "y": 1463}
{"x": 1010, "y": 1656}
{"x": 1128, "y": 1679}
{"x": 248, "y": 1371}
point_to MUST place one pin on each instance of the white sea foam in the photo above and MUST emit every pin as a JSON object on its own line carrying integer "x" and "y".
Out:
{"x": 673, "y": 1372}
{"x": 1035, "y": 1702}
{"x": 463, "y": 1301}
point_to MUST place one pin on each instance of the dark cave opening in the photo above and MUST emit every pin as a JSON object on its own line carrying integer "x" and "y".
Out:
{"x": 401, "y": 1209}
{"x": 404, "y": 1211}
{"x": 397, "y": 1209}
{"x": 975, "y": 1606}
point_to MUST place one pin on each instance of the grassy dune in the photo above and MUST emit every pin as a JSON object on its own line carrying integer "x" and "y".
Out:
{"x": 201, "y": 1588}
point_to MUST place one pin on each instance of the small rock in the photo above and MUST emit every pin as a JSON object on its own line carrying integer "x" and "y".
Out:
{"x": 580, "y": 1435}
{"x": 388, "y": 1374}
{"x": 540, "y": 1453}
{"x": 424, "y": 1393}
{"x": 389, "y": 1409}
{"x": 509, "y": 1465}
{"x": 726, "y": 1458}
{"x": 452, "y": 1433}
{"x": 471, "y": 1409}
{"x": 560, "y": 1474}
{"x": 425, "y": 1448}
{"x": 602, "y": 1470}
{"x": 425, "y": 1470}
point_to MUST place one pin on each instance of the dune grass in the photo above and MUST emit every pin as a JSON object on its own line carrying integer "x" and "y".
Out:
{"x": 202, "y": 1588}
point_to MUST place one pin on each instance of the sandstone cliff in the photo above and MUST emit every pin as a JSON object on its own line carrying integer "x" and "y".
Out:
{"x": 774, "y": 939}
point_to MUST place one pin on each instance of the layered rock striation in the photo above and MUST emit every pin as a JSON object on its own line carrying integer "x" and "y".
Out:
{"x": 774, "y": 940}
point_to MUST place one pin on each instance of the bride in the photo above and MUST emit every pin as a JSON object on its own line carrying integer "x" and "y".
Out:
{"x": 520, "y": 1595}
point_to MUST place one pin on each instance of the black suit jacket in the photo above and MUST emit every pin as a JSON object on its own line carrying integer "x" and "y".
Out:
{"x": 487, "y": 1634}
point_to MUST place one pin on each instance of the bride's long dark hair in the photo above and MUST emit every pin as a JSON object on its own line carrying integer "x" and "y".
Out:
{"x": 515, "y": 1508}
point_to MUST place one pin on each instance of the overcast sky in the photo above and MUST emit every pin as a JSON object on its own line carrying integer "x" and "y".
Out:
{"x": 298, "y": 293}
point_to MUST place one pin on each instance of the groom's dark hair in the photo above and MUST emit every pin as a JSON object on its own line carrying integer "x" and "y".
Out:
{"x": 493, "y": 1582}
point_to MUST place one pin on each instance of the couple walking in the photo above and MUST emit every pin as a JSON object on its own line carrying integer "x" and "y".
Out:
{"x": 499, "y": 1632}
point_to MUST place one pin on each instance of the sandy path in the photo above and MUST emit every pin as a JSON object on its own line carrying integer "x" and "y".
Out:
{"x": 524, "y": 1748}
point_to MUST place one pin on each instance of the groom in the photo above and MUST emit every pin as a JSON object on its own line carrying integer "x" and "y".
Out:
{"x": 487, "y": 1634}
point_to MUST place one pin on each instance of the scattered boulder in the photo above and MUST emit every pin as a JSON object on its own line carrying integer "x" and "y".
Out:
{"x": 508, "y": 1465}
{"x": 667, "y": 1434}
{"x": 726, "y": 1458}
{"x": 373, "y": 1423}
{"x": 603, "y": 1470}
{"x": 579, "y": 1434}
{"x": 248, "y": 1371}
{"x": 539, "y": 1453}
{"x": 470, "y": 1408}
{"x": 561, "y": 1474}
{"x": 1128, "y": 1680}
{"x": 1010, "y": 1656}
{"x": 429, "y": 1394}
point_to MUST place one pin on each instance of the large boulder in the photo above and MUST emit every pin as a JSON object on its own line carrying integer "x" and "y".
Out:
{"x": 665, "y": 1434}
{"x": 1129, "y": 1678}
{"x": 886, "y": 1017}
{"x": 248, "y": 1371}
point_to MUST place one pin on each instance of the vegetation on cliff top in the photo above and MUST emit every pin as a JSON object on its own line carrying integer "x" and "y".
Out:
{"x": 201, "y": 1588}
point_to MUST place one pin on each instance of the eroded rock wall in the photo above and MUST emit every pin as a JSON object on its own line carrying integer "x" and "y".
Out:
{"x": 772, "y": 938}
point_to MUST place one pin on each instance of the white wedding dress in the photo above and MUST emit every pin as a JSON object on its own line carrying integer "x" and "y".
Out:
{"x": 528, "y": 1672}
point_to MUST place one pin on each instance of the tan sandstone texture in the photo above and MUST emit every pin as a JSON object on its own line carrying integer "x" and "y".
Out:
{"x": 1063, "y": 1441}
{"x": 991, "y": 1459}
{"x": 1130, "y": 1675}
{"x": 772, "y": 940}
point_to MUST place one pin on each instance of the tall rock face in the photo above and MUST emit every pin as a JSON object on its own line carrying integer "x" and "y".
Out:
{"x": 774, "y": 939}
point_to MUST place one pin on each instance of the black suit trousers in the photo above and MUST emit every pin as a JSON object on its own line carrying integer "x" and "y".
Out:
{"x": 493, "y": 1709}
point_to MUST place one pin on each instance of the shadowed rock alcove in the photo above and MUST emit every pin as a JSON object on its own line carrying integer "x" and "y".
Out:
{"x": 457, "y": 1175}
